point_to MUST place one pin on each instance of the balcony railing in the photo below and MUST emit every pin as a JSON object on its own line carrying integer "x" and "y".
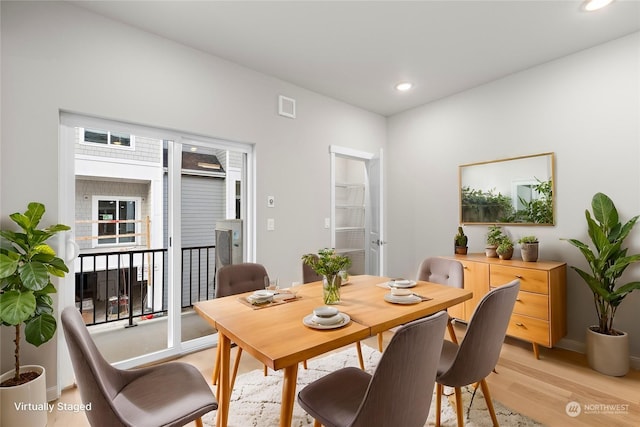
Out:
{"x": 132, "y": 285}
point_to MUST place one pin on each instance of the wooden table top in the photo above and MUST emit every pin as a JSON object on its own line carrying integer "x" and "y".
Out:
{"x": 277, "y": 337}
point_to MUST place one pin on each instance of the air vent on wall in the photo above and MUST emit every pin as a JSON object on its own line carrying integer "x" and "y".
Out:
{"x": 287, "y": 107}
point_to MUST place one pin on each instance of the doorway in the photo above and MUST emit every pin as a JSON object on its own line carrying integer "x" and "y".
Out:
{"x": 356, "y": 209}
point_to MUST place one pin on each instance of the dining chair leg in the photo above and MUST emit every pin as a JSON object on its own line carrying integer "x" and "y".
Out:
{"x": 459, "y": 408}
{"x": 380, "y": 341}
{"x": 304, "y": 364}
{"x": 360, "y": 360}
{"x": 265, "y": 370}
{"x": 216, "y": 367}
{"x": 316, "y": 423}
{"x": 199, "y": 422}
{"x": 487, "y": 398}
{"x": 439, "y": 391}
{"x": 452, "y": 332}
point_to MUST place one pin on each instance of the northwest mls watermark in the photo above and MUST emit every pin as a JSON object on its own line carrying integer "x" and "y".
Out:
{"x": 49, "y": 407}
{"x": 574, "y": 409}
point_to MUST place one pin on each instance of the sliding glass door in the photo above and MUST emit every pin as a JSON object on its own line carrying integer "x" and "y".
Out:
{"x": 145, "y": 204}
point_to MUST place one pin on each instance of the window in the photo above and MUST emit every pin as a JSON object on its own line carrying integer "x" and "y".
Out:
{"x": 117, "y": 220}
{"x": 114, "y": 139}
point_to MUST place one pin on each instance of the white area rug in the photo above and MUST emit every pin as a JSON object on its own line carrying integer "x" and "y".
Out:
{"x": 255, "y": 401}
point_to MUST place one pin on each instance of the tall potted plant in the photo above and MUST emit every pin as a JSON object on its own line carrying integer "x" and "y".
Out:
{"x": 329, "y": 264}
{"x": 27, "y": 263}
{"x": 607, "y": 348}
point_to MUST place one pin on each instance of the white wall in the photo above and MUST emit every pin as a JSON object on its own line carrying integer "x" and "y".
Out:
{"x": 59, "y": 57}
{"x": 584, "y": 107}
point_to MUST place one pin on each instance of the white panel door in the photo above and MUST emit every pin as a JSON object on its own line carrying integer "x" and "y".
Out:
{"x": 376, "y": 229}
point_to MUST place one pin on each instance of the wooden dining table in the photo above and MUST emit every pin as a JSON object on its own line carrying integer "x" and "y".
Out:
{"x": 276, "y": 335}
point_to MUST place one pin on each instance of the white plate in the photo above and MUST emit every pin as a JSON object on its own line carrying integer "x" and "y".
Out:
{"x": 401, "y": 283}
{"x": 408, "y": 299}
{"x": 311, "y": 324}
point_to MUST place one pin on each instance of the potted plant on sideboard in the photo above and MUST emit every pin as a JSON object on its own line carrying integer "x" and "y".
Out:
{"x": 529, "y": 248}
{"x": 607, "y": 348}
{"x": 494, "y": 236}
{"x": 26, "y": 265}
{"x": 505, "y": 247}
{"x": 460, "y": 242}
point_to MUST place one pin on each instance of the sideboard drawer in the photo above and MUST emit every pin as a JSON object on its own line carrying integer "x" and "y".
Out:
{"x": 532, "y": 305}
{"x": 530, "y": 280}
{"x": 529, "y": 328}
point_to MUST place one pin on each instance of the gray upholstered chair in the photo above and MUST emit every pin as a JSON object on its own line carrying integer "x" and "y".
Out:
{"x": 478, "y": 353}
{"x": 171, "y": 394}
{"x": 397, "y": 394}
{"x": 309, "y": 275}
{"x": 235, "y": 279}
{"x": 444, "y": 272}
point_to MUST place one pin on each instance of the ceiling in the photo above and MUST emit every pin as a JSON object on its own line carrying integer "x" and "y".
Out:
{"x": 357, "y": 51}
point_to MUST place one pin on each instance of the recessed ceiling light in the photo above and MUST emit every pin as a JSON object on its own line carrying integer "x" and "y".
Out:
{"x": 591, "y": 5}
{"x": 404, "y": 86}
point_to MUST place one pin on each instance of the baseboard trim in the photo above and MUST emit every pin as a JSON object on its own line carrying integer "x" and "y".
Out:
{"x": 580, "y": 347}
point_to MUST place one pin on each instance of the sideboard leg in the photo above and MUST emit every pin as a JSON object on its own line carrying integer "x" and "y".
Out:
{"x": 536, "y": 351}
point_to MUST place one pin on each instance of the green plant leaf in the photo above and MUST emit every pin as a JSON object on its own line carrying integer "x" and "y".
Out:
{"x": 34, "y": 275}
{"x": 22, "y": 220}
{"x": 40, "y": 329}
{"x": 52, "y": 229}
{"x": 58, "y": 264}
{"x": 37, "y": 237}
{"x": 44, "y": 304}
{"x": 604, "y": 211}
{"x": 34, "y": 212}
{"x": 16, "y": 307}
{"x": 19, "y": 239}
{"x": 49, "y": 289}
{"x": 8, "y": 265}
{"x": 43, "y": 248}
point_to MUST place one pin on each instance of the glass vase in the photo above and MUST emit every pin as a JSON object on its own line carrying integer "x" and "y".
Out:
{"x": 331, "y": 289}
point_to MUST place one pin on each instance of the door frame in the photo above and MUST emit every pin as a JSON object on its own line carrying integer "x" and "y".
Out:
{"x": 367, "y": 158}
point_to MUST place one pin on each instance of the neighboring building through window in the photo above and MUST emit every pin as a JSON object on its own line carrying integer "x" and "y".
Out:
{"x": 117, "y": 220}
{"x": 120, "y": 140}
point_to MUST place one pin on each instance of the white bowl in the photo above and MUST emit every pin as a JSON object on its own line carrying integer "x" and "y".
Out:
{"x": 332, "y": 320}
{"x": 325, "y": 311}
{"x": 402, "y": 282}
{"x": 400, "y": 292}
{"x": 263, "y": 293}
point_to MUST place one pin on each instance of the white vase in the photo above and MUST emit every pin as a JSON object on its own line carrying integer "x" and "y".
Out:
{"x": 26, "y": 404}
{"x": 608, "y": 354}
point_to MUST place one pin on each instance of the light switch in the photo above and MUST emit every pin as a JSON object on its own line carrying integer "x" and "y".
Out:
{"x": 271, "y": 224}
{"x": 327, "y": 222}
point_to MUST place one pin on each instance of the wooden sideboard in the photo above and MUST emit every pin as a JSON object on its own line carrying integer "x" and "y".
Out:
{"x": 539, "y": 315}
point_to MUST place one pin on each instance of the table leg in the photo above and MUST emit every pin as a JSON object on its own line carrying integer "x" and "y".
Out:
{"x": 288, "y": 394}
{"x": 224, "y": 395}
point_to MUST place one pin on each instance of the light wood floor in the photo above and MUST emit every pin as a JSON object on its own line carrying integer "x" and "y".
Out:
{"x": 540, "y": 389}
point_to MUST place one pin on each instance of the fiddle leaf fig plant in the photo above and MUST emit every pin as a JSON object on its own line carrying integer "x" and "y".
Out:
{"x": 27, "y": 263}
{"x": 607, "y": 261}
